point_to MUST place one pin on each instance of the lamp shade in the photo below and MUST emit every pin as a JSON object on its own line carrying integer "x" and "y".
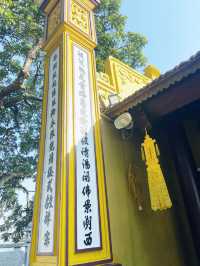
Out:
{"x": 123, "y": 121}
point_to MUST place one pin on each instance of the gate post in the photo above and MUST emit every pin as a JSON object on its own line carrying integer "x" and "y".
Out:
{"x": 70, "y": 222}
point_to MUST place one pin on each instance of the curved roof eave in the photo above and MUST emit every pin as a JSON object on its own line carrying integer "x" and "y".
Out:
{"x": 158, "y": 85}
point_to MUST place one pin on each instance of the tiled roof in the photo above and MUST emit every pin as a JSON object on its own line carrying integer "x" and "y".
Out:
{"x": 179, "y": 72}
{"x": 12, "y": 258}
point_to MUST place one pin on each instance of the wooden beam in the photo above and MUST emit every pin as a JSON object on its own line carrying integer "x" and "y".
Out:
{"x": 174, "y": 98}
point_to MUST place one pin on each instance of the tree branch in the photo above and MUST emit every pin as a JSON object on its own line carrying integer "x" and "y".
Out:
{"x": 28, "y": 96}
{"x": 4, "y": 178}
{"x": 23, "y": 74}
{"x": 16, "y": 100}
{"x": 12, "y": 102}
{"x": 15, "y": 111}
{"x": 36, "y": 75}
{"x": 31, "y": 56}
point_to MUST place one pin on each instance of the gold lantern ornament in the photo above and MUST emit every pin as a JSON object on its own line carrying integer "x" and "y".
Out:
{"x": 159, "y": 195}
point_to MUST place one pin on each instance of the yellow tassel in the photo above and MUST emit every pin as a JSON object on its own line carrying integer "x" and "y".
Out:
{"x": 159, "y": 195}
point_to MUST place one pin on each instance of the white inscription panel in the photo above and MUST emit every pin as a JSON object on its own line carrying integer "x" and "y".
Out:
{"x": 48, "y": 190}
{"x": 87, "y": 207}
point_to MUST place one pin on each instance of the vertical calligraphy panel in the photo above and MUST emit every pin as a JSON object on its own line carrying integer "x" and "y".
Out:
{"x": 88, "y": 233}
{"x": 48, "y": 189}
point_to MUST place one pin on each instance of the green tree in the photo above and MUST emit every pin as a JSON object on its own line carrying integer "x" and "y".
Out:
{"x": 21, "y": 90}
{"x": 112, "y": 38}
{"x": 21, "y": 77}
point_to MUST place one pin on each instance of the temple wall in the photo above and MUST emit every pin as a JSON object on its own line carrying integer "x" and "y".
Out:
{"x": 139, "y": 238}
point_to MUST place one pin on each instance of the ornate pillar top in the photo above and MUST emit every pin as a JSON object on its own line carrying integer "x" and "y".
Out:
{"x": 76, "y": 16}
{"x": 44, "y": 3}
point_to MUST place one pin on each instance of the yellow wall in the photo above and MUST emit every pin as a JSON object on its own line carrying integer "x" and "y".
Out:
{"x": 144, "y": 238}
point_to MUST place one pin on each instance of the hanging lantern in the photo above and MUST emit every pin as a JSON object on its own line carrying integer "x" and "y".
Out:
{"x": 159, "y": 195}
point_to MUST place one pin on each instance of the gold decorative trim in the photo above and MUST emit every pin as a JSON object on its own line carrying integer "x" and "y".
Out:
{"x": 80, "y": 17}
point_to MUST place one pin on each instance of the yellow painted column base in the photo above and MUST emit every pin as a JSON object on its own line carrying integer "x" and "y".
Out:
{"x": 44, "y": 261}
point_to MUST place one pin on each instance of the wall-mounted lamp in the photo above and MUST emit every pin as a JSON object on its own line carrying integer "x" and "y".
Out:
{"x": 124, "y": 121}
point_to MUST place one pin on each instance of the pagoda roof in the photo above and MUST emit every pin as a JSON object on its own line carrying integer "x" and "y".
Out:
{"x": 157, "y": 86}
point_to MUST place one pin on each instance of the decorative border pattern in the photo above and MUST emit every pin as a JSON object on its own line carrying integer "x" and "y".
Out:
{"x": 88, "y": 230}
{"x": 48, "y": 189}
{"x": 80, "y": 17}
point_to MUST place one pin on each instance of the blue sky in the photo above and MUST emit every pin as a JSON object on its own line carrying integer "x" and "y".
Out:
{"x": 172, "y": 28}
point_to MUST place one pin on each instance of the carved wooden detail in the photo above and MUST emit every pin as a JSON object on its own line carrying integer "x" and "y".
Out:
{"x": 128, "y": 81}
{"x": 103, "y": 77}
{"x": 80, "y": 17}
{"x": 127, "y": 76}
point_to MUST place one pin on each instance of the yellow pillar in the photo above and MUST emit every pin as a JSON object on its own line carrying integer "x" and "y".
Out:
{"x": 70, "y": 222}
